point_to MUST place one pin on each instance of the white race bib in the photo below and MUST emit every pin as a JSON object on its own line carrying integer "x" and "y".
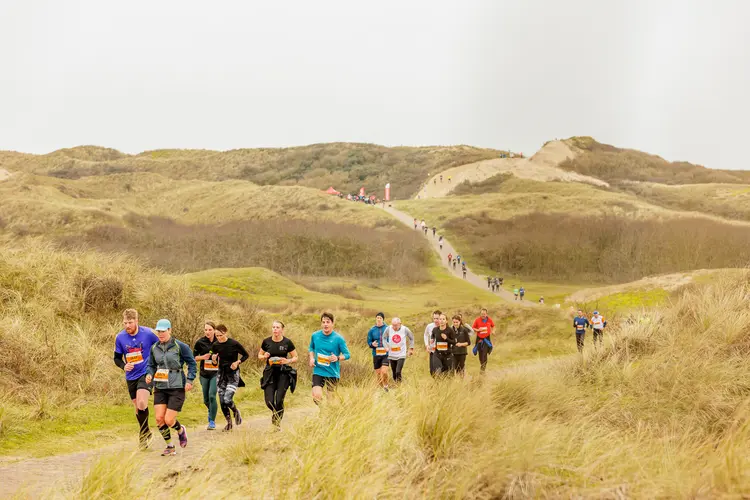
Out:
{"x": 161, "y": 375}
{"x": 324, "y": 359}
{"x": 135, "y": 357}
{"x": 210, "y": 366}
{"x": 275, "y": 360}
{"x": 442, "y": 346}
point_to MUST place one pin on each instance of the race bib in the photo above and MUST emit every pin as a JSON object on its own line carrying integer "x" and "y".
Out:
{"x": 135, "y": 357}
{"x": 442, "y": 346}
{"x": 579, "y": 327}
{"x": 210, "y": 366}
{"x": 381, "y": 351}
{"x": 275, "y": 360}
{"x": 323, "y": 359}
{"x": 396, "y": 348}
{"x": 161, "y": 375}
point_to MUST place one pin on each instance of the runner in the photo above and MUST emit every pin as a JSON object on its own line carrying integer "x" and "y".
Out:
{"x": 450, "y": 258}
{"x": 580, "y": 323}
{"x": 449, "y": 179}
{"x": 208, "y": 371}
{"x": 278, "y": 374}
{"x": 134, "y": 344}
{"x": 541, "y": 300}
{"x": 415, "y": 224}
{"x": 458, "y": 257}
{"x": 379, "y": 350}
{"x": 441, "y": 178}
{"x": 463, "y": 340}
{"x": 483, "y": 326}
{"x": 522, "y": 292}
{"x": 434, "y": 182}
{"x": 226, "y": 354}
{"x": 501, "y": 281}
{"x": 327, "y": 349}
{"x": 434, "y": 230}
{"x": 428, "y": 335}
{"x": 444, "y": 339}
{"x": 165, "y": 368}
{"x": 454, "y": 263}
{"x": 440, "y": 241}
{"x": 396, "y": 337}
{"x": 598, "y": 324}
{"x": 424, "y": 227}
{"x": 463, "y": 268}
{"x": 515, "y": 292}
{"x": 490, "y": 284}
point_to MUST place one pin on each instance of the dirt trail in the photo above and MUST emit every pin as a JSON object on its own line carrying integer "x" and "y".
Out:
{"x": 4, "y": 174}
{"x": 543, "y": 166}
{"x": 472, "y": 278}
{"x": 33, "y": 477}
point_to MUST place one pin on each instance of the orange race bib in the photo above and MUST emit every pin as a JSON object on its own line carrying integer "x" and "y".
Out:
{"x": 381, "y": 351}
{"x": 135, "y": 357}
{"x": 161, "y": 375}
{"x": 396, "y": 348}
{"x": 210, "y": 366}
{"x": 324, "y": 359}
{"x": 442, "y": 346}
{"x": 274, "y": 361}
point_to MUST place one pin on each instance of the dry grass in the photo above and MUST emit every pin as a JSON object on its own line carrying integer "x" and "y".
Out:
{"x": 731, "y": 201}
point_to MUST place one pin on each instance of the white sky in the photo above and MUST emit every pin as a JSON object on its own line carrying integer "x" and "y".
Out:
{"x": 667, "y": 77}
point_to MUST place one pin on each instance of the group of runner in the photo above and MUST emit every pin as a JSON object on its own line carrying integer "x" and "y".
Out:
{"x": 494, "y": 283}
{"x": 596, "y": 323}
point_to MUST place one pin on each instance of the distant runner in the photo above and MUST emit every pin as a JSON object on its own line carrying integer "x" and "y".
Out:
{"x": 424, "y": 227}
{"x": 598, "y": 324}
{"x": 441, "y": 178}
{"x": 515, "y": 293}
{"x": 449, "y": 179}
{"x": 450, "y": 258}
{"x": 458, "y": 258}
{"x": 133, "y": 344}
{"x": 454, "y": 263}
{"x": 396, "y": 337}
{"x": 483, "y": 326}
{"x": 230, "y": 354}
{"x": 440, "y": 242}
{"x": 580, "y": 323}
{"x": 490, "y": 284}
{"x": 463, "y": 340}
{"x": 434, "y": 230}
{"x": 209, "y": 371}
{"x": 429, "y": 345}
{"x": 522, "y": 292}
{"x": 165, "y": 368}
{"x": 279, "y": 354}
{"x": 379, "y": 350}
{"x": 327, "y": 350}
{"x": 541, "y": 300}
{"x": 444, "y": 338}
{"x": 463, "y": 268}
{"x": 415, "y": 223}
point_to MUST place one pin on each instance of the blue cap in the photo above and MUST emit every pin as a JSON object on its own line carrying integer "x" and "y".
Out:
{"x": 163, "y": 325}
{"x": 596, "y": 312}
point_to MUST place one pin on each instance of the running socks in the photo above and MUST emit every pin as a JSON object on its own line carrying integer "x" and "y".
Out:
{"x": 164, "y": 429}
{"x": 177, "y": 426}
{"x": 142, "y": 416}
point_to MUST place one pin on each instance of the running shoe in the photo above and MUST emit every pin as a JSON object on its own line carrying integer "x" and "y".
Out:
{"x": 237, "y": 417}
{"x": 169, "y": 451}
{"x": 183, "y": 436}
{"x": 228, "y": 427}
{"x": 211, "y": 425}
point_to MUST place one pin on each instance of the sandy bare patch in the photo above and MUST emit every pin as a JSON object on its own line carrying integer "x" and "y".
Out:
{"x": 4, "y": 174}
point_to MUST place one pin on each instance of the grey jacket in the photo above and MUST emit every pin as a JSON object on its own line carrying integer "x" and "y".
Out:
{"x": 172, "y": 356}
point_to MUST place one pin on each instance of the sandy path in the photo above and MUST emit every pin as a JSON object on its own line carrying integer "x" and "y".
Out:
{"x": 33, "y": 477}
{"x": 4, "y": 174}
{"x": 478, "y": 281}
{"x": 543, "y": 166}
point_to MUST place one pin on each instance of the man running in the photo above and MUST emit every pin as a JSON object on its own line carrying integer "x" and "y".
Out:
{"x": 133, "y": 344}
{"x": 327, "y": 349}
{"x": 396, "y": 337}
{"x": 458, "y": 258}
{"x": 209, "y": 370}
{"x": 424, "y": 227}
{"x": 444, "y": 339}
{"x": 229, "y": 354}
{"x": 483, "y": 326}
{"x": 440, "y": 241}
{"x": 165, "y": 368}
{"x": 454, "y": 263}
{"x": 415, "y": 224}
{"x": 463, "y": 268}
{"x": 490, "y": 284}
{"x": 450, "y": 258}
{"x": 434, "y": 230}
{"x": 515, "y": 292}
{"x": 463, "y": 340}
{"x": 541, "y": 300}
{"x": 598, "y": 323}
{"x": 379, "y": 350}
{"x": 580, "y": 323}
{"x": 428, "y": 338}
{"x": 521, "y": 292}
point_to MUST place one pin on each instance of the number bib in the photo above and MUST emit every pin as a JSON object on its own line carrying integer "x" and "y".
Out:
{"x": 161, "y": 375}
{"x": 381, "y": 351}
{"x": 579, "y": 327}
{"x": 323, "y": 359}
{"x": 396, "y": 348}
{"x": 442, "y": 346}
{"x": 210, "y": 366}
{"x": 275, "y": 360}
{"x": 135, "y": 357}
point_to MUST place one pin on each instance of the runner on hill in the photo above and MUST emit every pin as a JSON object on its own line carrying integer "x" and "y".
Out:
{"x": 450, "y": 258}
{"x": 424, "y": 226}
{"x": 327, "y": 349}
{"x": 279, "y": 354}
{"x": 379, "y": 350}
{"x": 454, "y": 263}
{"x": 458, "y": 258}
{"x": 440, "y": 241}
{"x": 463, "y": 268}
{"x": 541, "y": 300}
{"x": 165, "y": 368}
{"x": 483, "y": 326}
{"x": 598, "y": 324}
{"x": 133, "y": 343}
{"x": 444, "y": 338}
{"x": 490, "y": 284}
{"x": 415, "y": 223}
{"x": 396, "y": 338}
{"x": 449, "y": 179}
{"x": 521, "y": 292}
{"x": 209, "y": 370}
{"x": 434, "y": 230}
{"x": 580, "y": 323}
{"x": 428, "y": 336}
{"x": 463, "y": 340}
{"x": 441, "y": 178}
{"x": 229, "y": 354}
{"x": 515, "y": 292}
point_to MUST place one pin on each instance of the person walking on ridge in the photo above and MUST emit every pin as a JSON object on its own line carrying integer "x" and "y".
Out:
{"x": 515, "y": 293}
{"x": 521, "y": 292}
{"x": 463, "y": 268}
{"x": 440, "y": 241}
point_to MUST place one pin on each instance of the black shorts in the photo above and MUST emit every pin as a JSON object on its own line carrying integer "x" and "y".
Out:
{"x": 173, "y": 398}
{"x": 135, "y": 385}
{"x": 379, "y": 361}
{"x": 327, "y": 382}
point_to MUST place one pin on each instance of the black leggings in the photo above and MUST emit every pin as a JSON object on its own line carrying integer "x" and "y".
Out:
{"x": 446, "y": 363}
{"x": 396, "y": 366}
{"x": 579, "y": 340}
{"x": 275, "y": 392}
{"x": 459, "y": 363}
{"x": 484, "y": 352}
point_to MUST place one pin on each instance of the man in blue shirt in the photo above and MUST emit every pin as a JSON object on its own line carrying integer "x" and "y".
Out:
{"x": 379, "y": 351}
{"x": 327, "y": 349}
{"x": 580, "y": 323}
{"x": 132, "y": 350}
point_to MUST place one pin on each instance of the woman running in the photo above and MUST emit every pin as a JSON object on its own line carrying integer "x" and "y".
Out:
{"x": 279, "y": 353}
{"x": 463, "y": 340}
{"x": 165, "y": 368}
{"x": 444, "y": 338}
{"x": 226, "y": 352}
{"x": 208, "y": 371}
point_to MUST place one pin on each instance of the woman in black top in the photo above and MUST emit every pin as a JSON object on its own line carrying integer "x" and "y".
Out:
{"x": 444, "y": 338}
{"x": 208, "y": 371}
{"x": 463, "y": 339}
{"x": 279, "y": 353}
{"x": 226, "y": 353}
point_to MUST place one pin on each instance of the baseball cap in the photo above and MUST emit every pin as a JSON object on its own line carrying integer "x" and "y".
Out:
{"x": 163, "y": 325}
{"x": 596, "y": 312}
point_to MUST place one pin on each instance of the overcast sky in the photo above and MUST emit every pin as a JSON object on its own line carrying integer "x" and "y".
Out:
{"x": 667, "y": 77}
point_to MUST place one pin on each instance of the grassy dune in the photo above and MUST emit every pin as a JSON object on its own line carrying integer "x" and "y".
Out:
{"x": 731, "y": 201}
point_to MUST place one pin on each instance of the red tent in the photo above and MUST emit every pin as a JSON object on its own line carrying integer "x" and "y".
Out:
{"x": 330, "y": 190}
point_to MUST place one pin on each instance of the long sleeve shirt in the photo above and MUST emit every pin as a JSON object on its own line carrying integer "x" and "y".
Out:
{"x": 428, "y": 334}
{"x": 580, "y": 324}
{"x": 444, "y": 346}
